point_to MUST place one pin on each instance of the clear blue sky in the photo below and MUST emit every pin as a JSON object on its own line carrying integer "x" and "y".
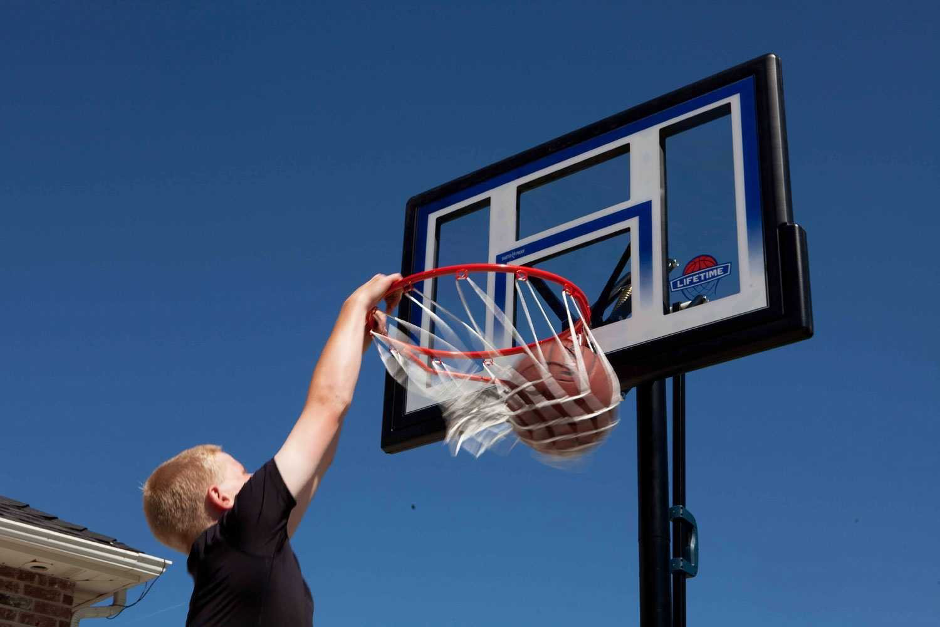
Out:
{"x": 190, "y": 190}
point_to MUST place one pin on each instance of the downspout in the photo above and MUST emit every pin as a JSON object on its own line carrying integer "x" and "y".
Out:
{"x": 118, "y": 603}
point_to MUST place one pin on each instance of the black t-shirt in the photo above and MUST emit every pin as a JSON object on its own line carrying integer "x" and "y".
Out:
{"x": 243, "y": 567}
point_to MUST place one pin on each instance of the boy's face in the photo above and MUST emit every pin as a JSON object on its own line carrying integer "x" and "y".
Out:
{"x": 234, "y": 477}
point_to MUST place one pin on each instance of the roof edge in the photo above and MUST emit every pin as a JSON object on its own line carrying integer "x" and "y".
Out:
{"x": 137, "y": 567}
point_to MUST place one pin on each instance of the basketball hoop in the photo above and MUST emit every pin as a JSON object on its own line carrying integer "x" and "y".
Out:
{"x": 555, "y": 391}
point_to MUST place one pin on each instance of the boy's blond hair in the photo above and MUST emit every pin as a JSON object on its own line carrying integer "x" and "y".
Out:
{"x": 175, "y": 496}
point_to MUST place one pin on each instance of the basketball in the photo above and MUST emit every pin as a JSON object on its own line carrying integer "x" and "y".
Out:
{"x": 700, "y": 262}
{"x": 561, "y": 427}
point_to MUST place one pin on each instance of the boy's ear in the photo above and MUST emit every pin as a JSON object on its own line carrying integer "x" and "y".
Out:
{"x": 219, "y": 499}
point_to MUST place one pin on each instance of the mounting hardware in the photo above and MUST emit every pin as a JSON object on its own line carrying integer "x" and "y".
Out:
{"x": 689, "y": 563}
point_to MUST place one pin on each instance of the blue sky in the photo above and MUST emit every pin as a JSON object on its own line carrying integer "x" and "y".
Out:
{"x": 190, "y": 190}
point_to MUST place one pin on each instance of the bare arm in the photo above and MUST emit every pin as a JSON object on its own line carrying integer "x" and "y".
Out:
{"x": 309, "y": 449}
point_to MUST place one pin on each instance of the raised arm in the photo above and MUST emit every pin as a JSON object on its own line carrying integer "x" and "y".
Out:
{"x": 309, "y": 449}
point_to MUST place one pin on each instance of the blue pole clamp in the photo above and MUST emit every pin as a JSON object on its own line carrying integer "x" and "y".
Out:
{"x": 689, "y": 563}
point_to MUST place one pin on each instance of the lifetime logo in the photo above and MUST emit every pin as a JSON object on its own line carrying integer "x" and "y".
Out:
{"x": 700, "y": 277}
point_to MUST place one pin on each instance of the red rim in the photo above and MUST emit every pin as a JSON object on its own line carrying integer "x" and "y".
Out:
{"x": 408, "y": 349}
{"x": 522, "y": 272}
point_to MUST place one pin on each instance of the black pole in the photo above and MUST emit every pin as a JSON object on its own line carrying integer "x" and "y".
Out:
{"x": 679, "y": 494}
{"x": 653, "y": 504}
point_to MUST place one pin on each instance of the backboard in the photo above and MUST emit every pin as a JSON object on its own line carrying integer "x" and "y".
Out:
{"x": 673, "y": 216}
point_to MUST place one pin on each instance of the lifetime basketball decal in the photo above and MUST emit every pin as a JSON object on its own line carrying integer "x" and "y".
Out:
{"x": 700, "y": 276}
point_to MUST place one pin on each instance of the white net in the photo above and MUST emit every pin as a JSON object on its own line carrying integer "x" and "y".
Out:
{"x": 555, "y": 390}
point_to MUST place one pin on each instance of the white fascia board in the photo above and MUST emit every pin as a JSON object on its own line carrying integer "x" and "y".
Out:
{"x": 80, "y": 552}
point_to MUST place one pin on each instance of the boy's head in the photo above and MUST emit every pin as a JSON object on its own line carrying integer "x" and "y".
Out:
{"x": 188, "y": 493}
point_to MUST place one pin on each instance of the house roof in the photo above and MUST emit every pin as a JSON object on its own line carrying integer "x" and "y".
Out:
{"x": 100, "y": 566}
{"x": 12, "y": 509}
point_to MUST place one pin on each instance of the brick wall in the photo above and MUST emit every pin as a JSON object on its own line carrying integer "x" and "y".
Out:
{"x": 29, "y": 599}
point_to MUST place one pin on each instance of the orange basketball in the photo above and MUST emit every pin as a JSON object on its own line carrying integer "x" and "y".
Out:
{"x": 561, "y": 429}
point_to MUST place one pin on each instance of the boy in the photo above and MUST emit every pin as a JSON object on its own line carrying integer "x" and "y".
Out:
{"x": 235, "y": 526}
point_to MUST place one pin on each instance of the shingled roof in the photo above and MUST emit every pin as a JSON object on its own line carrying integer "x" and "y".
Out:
{"x": 11, "y": 509}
